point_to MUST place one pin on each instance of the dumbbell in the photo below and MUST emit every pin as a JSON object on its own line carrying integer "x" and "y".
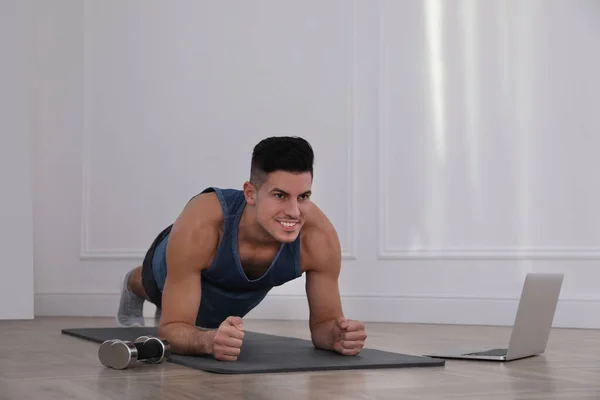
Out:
{"x": 119, "y": 354}
{"x": 105, "y": 354}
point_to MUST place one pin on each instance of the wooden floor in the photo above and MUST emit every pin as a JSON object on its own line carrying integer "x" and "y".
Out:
{"x": 38, "y": 362}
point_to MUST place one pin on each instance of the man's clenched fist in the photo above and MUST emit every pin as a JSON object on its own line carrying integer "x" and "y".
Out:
{"x": 227, "y": 342}
{"x": 348, "y": 336}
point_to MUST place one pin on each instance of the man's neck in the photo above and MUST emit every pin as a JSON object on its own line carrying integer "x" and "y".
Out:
{"x": 250, "y": 232}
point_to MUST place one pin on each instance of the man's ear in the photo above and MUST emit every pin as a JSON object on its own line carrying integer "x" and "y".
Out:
{"x": 250, "y": 193}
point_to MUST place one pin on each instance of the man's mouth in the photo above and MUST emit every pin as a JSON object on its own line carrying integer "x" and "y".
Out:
{"x": 288, "y": 225}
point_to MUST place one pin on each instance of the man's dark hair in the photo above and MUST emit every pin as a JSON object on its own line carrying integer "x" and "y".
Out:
{"x": 280, "y": 153}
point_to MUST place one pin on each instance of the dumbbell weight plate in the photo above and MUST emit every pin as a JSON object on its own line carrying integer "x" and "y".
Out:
{"x": 141, "y": 339}
{"x": 153, "y": 345}
{"x": 157, "y": 346}
{"x": 104, "y": 352}
{"x": 122, "y": 354}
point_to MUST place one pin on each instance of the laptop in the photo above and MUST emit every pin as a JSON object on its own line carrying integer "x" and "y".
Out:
{"x": 532, "y": 325}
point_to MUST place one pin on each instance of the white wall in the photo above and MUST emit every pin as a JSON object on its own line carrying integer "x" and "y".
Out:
{"x": 16, "y": 209}
{"x": 462, "y": 134}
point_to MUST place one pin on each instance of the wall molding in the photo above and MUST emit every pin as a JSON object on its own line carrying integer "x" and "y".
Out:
{"x": 88, "y": 252}
{"x": 123, "y": 254}
{"x": 349, "y": 249}
{"x": 460, "y": 310}
{"x": 511, "y": 253}
{"x": 385, "y": 251}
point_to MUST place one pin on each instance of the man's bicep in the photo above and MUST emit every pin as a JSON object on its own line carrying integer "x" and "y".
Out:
{"x": 187, "y": 256}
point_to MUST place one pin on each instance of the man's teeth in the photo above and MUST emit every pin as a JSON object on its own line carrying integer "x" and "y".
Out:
{"x": 287, "y": 224}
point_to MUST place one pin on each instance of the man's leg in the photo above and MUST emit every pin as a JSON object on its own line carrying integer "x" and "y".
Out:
{"x": 157, "y": 316}
{"x": 135, "y": 283}
{"x": 140, "y": 285}
{"x": 131, "y": 305}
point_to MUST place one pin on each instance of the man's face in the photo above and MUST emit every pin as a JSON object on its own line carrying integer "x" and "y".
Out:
{"x": 282, "y": 204}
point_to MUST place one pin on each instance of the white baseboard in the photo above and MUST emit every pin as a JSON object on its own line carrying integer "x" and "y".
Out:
{"x": 576, "y": 313}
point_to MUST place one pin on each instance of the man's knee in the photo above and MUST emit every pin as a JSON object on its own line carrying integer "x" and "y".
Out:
{"x": 135, "y": 283}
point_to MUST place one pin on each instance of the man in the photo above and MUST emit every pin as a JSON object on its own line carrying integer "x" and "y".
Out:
{"x": 228, "y": 248}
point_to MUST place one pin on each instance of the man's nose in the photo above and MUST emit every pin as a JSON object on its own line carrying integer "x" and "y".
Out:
{"x": 293, "y": 210}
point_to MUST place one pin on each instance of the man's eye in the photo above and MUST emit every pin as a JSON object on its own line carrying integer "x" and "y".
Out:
{"x": 279, "y": 195}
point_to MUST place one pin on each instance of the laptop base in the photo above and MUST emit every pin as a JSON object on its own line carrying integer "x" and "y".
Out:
{"x": 497, "y": 354}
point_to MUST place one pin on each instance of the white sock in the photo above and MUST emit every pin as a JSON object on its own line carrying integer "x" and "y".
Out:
{"x": 131, "y": 307}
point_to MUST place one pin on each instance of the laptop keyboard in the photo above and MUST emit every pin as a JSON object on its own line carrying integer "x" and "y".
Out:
{"x": 493, "y": 352}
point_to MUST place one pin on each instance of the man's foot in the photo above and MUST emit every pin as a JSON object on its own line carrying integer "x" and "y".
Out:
{"x": 131, "y": 307}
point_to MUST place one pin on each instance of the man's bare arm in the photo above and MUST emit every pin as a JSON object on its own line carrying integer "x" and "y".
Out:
{"x": 325, "y": 307}
{"x": 189, "y": 251}
{"x": 322, "y": 274}
{"x": 329, "y": 328}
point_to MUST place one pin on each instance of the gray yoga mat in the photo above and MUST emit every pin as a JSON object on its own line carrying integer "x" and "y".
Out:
{"x": 264, "y": 353}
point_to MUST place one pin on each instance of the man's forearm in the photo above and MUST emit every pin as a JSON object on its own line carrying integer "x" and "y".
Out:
{"x": 185, "y": 339}
{"x": 322, "y": 335}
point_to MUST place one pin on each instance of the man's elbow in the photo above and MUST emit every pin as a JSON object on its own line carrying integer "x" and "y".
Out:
{"x": 321, "y": 334}
{"x": 165, "y": 329}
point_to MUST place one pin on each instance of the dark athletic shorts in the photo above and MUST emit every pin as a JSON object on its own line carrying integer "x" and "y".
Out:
{"x": 148, "y": 282}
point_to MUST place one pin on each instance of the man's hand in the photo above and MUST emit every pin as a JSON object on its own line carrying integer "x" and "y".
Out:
{"x": 348, "y": 336}
{"x": 227, "y": 342}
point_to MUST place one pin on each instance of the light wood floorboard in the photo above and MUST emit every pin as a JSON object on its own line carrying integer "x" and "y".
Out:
{"x": 38, "y": 362}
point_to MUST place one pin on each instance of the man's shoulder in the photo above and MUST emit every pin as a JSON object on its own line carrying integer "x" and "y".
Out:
{"x": 196, "y": 232}
{"x": 320, "y": 244}
{"x": 204, "y": 208}
{"x": 318, "y": 225}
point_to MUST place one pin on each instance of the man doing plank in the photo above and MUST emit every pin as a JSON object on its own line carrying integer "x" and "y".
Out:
{"x": 228, "y": 248}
